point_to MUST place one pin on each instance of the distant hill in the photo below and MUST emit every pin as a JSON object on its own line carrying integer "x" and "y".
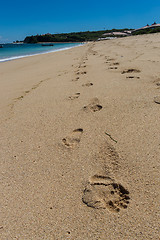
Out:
{"x": 70, "y": 37}
{"x": 154, "y": 28}
{"x": 91, "y": 35}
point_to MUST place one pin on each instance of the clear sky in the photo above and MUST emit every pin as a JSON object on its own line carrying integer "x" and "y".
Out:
{"x": 20, "y": 18}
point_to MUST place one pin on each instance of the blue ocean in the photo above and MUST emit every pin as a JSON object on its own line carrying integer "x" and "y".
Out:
{"x": 13, "y": 51}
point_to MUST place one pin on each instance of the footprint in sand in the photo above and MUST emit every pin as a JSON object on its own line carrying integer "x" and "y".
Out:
{"x": 157, "y": 82}
{"x": 83, "y": 66}
{"x": 94, "y": 106}
{"x": 112, "y": 68}
{"x": 131, "y": 77}
{"x": 103, "y": 192}
{"x": 115, "y": 63}
{"x": 109, "y": 59}
{"x": 74, "y": 96}
{"x": 130, "y": 70}
{"x": 73, "y": 139}
{"x": 84, "y": 72}
{"x": 75, "y": 80}
{"x": 87, "y": 85}
{"x": 81, "y": 72}
{"x": 157, "y": 99}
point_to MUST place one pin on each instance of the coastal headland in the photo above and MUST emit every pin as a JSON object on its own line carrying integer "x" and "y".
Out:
{"x": 80, "y": 145}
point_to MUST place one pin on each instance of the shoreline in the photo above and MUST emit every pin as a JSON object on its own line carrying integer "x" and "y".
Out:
{"x": 36, "y": 54}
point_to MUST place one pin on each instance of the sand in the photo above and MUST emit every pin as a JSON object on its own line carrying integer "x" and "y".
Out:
{"x": 80, "y": 143}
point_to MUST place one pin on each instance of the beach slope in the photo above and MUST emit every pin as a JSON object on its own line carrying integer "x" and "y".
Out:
{"x": 80, "y": 142}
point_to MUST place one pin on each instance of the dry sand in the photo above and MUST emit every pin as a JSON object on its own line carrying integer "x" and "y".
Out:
{"x": 80, "y": 143}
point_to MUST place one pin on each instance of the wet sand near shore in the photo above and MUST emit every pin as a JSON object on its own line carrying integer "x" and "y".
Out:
{"x": 80, "y": 145}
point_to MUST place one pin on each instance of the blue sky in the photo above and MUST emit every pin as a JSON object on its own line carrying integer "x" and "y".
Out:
{"x": 22, "y": 18}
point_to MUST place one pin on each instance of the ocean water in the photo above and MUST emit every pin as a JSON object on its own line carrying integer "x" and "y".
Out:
{"x": 14, "y": 51}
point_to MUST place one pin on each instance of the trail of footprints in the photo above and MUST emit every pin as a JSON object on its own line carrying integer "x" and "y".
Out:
{"x": 113, "y": 65}
{"x": 101, "y": 192}
{"x": 79, "y": 72}
{"x": 133, "y": 70}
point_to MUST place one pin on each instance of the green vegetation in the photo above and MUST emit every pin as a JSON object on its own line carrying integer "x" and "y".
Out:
{"x": 147, "y": 31}
{"x": 83, "y": 36}
{"x": 70, "y": 37}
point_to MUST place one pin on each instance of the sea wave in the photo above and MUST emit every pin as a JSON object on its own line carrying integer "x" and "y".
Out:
{"x": 35, "y": 54}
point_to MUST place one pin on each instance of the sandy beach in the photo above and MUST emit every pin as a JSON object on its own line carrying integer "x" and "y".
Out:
{"x": 80, "y": 143}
